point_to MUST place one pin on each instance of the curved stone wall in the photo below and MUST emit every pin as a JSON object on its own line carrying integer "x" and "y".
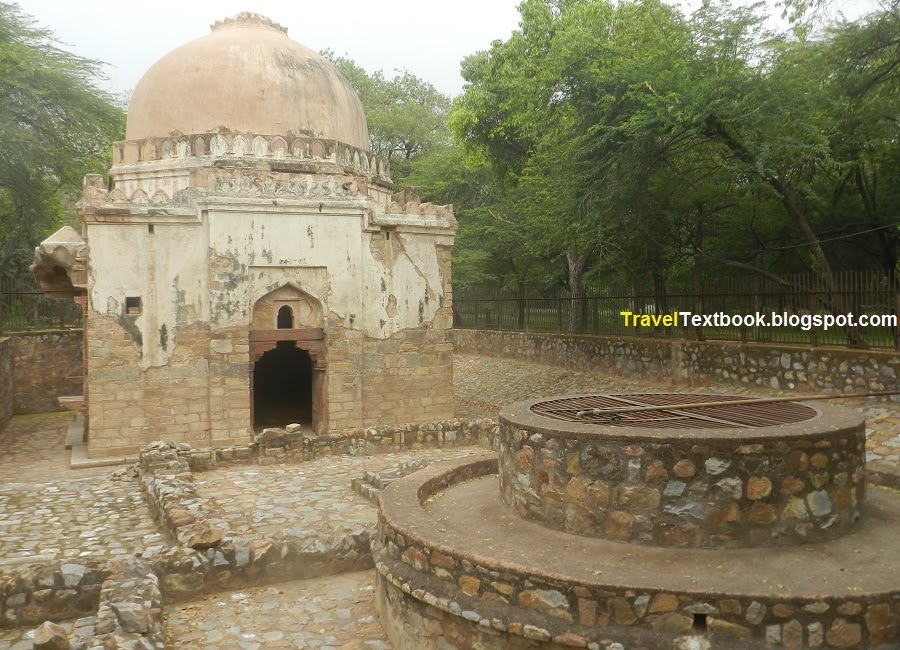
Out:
{"x": 475, "y": 581}
{"x": 776, "y": 485}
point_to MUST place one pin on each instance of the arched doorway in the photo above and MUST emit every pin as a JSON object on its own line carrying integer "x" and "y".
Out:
{"x": 287, "y": 355}
{"x": 282, "y": 386}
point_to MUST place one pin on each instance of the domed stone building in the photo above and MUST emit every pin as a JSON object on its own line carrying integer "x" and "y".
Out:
{"x": 247, "y": 264}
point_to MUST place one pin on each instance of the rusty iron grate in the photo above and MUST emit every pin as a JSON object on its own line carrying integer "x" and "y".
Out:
{"x": 729, "y": 416}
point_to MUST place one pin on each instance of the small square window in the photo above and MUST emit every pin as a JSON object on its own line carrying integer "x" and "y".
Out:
{"x": 133, "y": 306}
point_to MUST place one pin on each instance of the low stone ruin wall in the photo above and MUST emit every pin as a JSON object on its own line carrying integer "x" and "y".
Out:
{"x": 118, "y": 602}
{"x": 430, "y": 584}
{"x": 32, "y": 593}
{"x": 276, "y": 445}
{"x": 6, "y": 383}
{"x": 207, "y": 556}
{"x": 43, "y": 365}
{"x": 779, "y": 367}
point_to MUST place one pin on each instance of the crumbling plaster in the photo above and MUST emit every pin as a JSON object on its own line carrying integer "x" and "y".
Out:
{"x": 203, "y": 229}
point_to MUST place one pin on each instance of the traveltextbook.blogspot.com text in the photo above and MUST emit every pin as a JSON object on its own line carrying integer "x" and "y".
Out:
{"x": 805, "y": 322}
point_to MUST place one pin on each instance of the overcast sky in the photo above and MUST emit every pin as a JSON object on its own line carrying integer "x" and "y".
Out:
{"x": 427, "y": 37}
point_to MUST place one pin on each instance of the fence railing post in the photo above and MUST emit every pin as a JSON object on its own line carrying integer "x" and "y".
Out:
{"x": 597, "y": 308}
{"x": 897, "y": 324}
{"x": 813, "y": 333}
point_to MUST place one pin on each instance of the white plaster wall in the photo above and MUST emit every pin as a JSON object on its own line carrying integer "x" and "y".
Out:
{"x": 411, "y": 275}
{"x": 167, "y": 269}
{"x": 317, "y": 252}
{"x": 329, "y": 256}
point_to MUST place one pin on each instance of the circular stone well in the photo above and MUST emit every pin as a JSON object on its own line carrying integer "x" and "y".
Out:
{"x": 732, "y": 475}
{"x": 714, "y": 566}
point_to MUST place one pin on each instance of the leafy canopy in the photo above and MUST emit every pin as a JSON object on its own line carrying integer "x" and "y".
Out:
{"x": 55, "y": 126}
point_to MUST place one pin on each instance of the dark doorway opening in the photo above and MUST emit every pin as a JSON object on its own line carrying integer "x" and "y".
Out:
{"x": 282, "y": 386}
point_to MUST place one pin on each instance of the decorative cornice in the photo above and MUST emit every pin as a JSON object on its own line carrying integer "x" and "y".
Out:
{"x": 228, "y": 145}
{"x": 409, "y": 202}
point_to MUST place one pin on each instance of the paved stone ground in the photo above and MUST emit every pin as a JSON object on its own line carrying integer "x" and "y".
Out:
{"x": 52, "y": 512}
{"x": 48, "y": 509}
{"x": 34, "y": 450}
{"x": 309, "y": 500}
{"x": 334, "y": 612}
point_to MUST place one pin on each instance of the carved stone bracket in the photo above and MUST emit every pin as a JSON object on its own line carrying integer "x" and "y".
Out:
{"x": 60, "y": 264}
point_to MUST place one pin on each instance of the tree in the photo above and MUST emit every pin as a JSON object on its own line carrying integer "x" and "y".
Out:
{"x": 700, "y": 144}
{"x": 55, "y": 126}
{"x": 407, "y": 116}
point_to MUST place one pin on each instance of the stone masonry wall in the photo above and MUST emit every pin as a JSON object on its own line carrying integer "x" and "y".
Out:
{"x": 131, "y": 406}
{"x": 43, "y": 364}
{"x": 344, "y": 385}
{"x": 228, "y": 353}
{"x": 6, "y": 381}
{"x": 771, "y": 366}
{"x": 408, "y": 378}
{"x": 481, "y": 593}
{"x": 686, "y": 492}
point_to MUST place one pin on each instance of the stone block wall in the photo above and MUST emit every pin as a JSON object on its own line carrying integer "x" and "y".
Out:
{"x": 43, "y": 364}
{"x": 228, "y": 353}
{"x": 791, "y": 486}
{"x": 6, "y": 381}
{"x": 779, "y": 367}
{"x": 787, "y": 367}
{"x": 32, "y": 593}
{"x": 131, "y": 406}
{"x": 408, "y": 377}
{"x": 344, "y": 380}
{"x": 430, "y": 586}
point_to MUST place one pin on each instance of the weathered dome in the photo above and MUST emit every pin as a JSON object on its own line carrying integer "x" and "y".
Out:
{"x": 247, "y": 76}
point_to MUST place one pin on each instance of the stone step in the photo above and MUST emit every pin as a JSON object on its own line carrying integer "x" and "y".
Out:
{"x": 75, "y": 432}
{"x": 365, "y": 490}
{"x": 72, "y": 402}
{"x": 370, "y": 484}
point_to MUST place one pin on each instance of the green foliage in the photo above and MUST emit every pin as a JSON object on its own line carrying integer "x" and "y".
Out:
{"x": 641, "y": 142}
{"x": 55, "y": 126}
{"x": 407, "y": 116}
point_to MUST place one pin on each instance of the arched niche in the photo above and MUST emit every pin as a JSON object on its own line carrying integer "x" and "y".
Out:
{"x": 285, "y": 318}
{"x": 306, "y": 311}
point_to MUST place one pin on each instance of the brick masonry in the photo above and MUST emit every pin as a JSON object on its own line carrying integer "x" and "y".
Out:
{"x": 771, "y": 366}
{"x": 43, "y": 365}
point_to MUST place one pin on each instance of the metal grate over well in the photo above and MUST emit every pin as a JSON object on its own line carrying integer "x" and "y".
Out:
{"x": 733, "y": 415}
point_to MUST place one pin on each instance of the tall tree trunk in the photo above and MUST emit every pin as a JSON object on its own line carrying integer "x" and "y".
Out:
{"x": 737, "y": 148}
{"x": 577, "y": 265}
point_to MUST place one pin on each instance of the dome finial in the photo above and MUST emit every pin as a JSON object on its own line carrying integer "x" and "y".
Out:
{"x": 248, "y": 18}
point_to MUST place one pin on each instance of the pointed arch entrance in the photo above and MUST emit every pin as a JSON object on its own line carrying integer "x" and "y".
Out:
{"x": 287, "y": 361}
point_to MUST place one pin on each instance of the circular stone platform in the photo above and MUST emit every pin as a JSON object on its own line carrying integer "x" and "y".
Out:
{"x": 731, "y": 475}
{"x": 458, "y": 569}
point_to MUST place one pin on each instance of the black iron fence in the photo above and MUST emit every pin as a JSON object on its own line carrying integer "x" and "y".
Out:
{"x": 855, "y": 308}
{"x": 23, "y": 306}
